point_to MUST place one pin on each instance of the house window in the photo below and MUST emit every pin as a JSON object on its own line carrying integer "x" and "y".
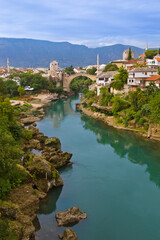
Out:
{"x": 145, "y": 73}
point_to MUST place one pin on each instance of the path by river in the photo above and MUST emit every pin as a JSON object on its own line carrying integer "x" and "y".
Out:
{"x": 115, "y": 179}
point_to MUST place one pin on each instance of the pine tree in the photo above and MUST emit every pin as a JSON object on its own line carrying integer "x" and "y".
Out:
{"x": 129, "y": 54}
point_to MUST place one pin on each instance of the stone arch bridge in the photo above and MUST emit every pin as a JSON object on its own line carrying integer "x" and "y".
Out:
{"x": 67, "y": 79}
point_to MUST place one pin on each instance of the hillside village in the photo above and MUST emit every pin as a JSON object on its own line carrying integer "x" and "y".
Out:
{"x": 141, "y": 72}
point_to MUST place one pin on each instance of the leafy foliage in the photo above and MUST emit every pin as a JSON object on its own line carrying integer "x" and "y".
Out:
{"x": 120, "y": 79}
{"x": 10, "y": 133}
{"x": 129, "y": 54}
{"x": 69, "y": 70}
{"x": 80, "y": 82}
{"x": 110, "y": 67}
{"x": 150, "y": 53}
{"x": 105, "y": 96}
{"x": 11, "y": 88}
{"x": 91, "y": 71}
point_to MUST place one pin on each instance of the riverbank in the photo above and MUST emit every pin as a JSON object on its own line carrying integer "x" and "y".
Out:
{"x": 112, "y": 121}
{"x": 19, "y": 212}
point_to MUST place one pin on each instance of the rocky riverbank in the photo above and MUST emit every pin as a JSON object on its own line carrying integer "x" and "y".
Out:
{"x": 154, "y": 131}
{"x": 41, "y": 175}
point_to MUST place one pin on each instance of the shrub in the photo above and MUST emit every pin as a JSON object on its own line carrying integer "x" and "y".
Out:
{"x": 27, "y": 134}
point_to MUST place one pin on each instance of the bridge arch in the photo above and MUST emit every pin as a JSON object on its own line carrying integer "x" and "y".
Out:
{"x": 68, "y": 79}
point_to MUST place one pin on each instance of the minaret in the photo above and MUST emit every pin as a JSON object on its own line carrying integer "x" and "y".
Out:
{"x": 146, "y": 46}
{"x": 97, "y": 64}
{"x": 8, "y": 67}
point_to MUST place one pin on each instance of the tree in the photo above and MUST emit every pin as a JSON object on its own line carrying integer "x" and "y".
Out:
{"x": 69, "y": 70}
{"x": 155, "y": 108}
{"x": 105, "y": 96}
{"x": 129, "y": 54}
{"x": 80, "y": 82}
{"x": 2, "y": 87}
{"x": 21, "y": 91}
{"x": 91, "y": 71}
{"x": 150, "y": 53}
{"x": 110, "y": 67}
{"x": 11, "y": 88}
{"x": 120, "y": 79}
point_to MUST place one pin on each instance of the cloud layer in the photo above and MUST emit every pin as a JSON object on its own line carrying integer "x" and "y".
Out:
{"x": 94, "y": 23}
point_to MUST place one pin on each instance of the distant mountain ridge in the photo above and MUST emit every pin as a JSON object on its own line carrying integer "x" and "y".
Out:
{"x": 39, "y": 53}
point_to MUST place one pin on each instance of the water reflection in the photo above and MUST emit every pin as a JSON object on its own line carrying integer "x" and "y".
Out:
{"x": 47, "y": 206}
{"x": 58, "y": 112}
{"x": 128, "y": 144}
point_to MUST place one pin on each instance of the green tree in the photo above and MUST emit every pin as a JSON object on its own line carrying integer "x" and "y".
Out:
{"x": 11, "y": 88}
{"x": 21, "y": 91}
{"x": 2, "y": 87}
{"x": 69, "y": 70}
{"x": 110, "y": 67}
{"x": 105, "y": 96}
{"x": 155, "y": 108}
{"x": 120, "y": 79}
{"x": 91, "y": 71}
{"x": 129, "y": 54}
{"x": 79, "y": 83}
{"x": 150, "y": 53}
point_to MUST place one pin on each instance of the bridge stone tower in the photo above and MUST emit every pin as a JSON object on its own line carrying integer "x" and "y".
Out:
{"x": 55, "y": 73}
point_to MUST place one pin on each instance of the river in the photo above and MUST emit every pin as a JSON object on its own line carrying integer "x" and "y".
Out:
{"x": 115, "y": 179}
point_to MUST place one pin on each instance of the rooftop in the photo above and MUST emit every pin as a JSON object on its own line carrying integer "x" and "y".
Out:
{"x": 143, "y": 69}
{"x": 153, "y": 78}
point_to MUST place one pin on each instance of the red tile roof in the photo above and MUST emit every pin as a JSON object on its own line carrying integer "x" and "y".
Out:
{"x": 158, "y": 59}
{"x": 153, "y": 78}
{"x": 143, "y": 55}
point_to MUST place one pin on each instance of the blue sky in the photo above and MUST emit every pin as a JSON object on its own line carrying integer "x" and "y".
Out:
{"x": 93, "y": 23}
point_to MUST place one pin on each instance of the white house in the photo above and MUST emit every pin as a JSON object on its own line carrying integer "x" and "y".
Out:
{"x": 137, "y": 76}
{"x": 154, "y": 62}
{"x": 104, "y": 79}
{"x": 78, "y": 70}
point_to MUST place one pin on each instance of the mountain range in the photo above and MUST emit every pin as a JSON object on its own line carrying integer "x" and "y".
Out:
{"x": 39, "y": 53}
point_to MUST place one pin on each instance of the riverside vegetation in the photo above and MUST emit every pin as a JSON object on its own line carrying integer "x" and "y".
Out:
{"x": 25, "y": 177}
{"x": 139, "y": 110}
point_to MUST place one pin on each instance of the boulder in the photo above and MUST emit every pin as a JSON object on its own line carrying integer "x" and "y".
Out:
{"x": 45, "y": 176}
{"x": 38, "y": 167}
{"x": 68, "y": 234}
{"x": 29, "y": 120}
{"x": 53, "y": 142}
{"x": 70, "y": 217}
{"x": 56, "y": 158}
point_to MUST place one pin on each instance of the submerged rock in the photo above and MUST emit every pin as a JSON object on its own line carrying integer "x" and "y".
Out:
{"x": 68, "y": 234}
{"x": 70, "y": 217}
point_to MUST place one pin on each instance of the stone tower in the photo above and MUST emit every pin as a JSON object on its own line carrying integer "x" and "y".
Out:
{"x": 54, "y": 67}
{"x": 8, "y": 67}
{"x": 97, "y": 64}
{"x": 146, "y": 46}
{"x": 126, "y": 53}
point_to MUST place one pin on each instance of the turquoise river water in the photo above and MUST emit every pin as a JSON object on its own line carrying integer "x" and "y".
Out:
{"x": 115, "y": 179}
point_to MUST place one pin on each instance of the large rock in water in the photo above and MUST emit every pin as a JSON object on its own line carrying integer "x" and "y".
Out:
{"x": 44, "y": 175}
{"x": 70, "y": 217}
{"x": 68, "y": 234}
{"x": 56, "y": 158}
